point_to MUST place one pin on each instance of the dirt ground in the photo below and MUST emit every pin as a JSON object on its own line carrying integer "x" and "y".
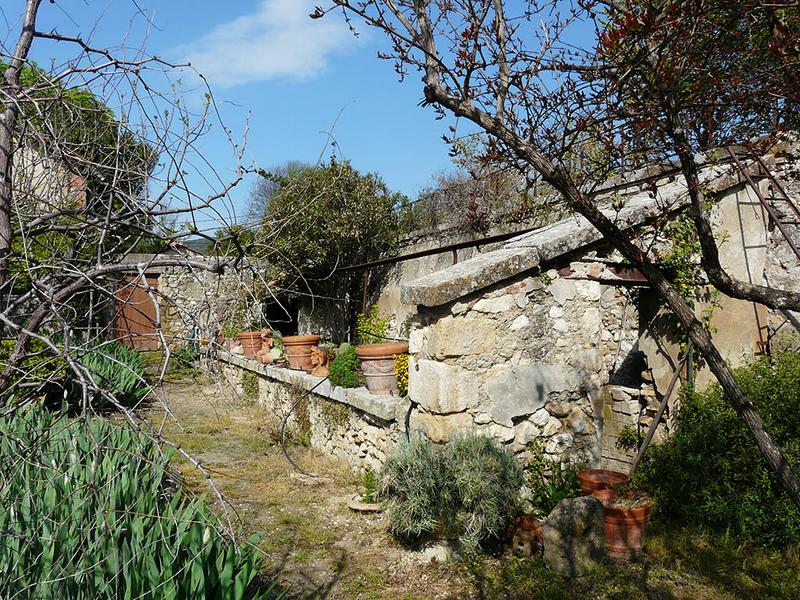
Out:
{"x": 315, "y": 545}
{"x": 318, "y": 548}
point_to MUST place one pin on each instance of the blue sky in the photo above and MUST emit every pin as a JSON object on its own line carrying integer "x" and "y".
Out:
{"x": 290, "y": 75}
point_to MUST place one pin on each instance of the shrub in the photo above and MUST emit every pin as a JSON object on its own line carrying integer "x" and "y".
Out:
{"x": 184, "y": 357}
{"x": 549, "y": 481}
{"x": 40, "y": 366}
{"x": 116, "y": 369}
{"x": 710, "y": 471}
{"x": 344, "y": 368}
{"x": 467, "y": 489}
{"x": 371, "y": 326}
{"x": 87, "y": 511}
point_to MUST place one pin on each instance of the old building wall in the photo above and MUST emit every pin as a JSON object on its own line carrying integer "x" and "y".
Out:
{"x": 524, "y": 362}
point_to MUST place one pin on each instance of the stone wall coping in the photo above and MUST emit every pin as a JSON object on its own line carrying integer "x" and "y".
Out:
{"x": 385, "y": 408}
{"x": 530, "y": 250}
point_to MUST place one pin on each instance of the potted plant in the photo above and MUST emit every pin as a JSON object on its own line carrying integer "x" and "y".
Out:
{"x": 297, "y": 349}
{"x": 250, "y": 339}
{"x": 344, "y": 368}
{"x": 626, "y": 516}
{"x": 367, "y": 501}
{"x": 378, "y": 357}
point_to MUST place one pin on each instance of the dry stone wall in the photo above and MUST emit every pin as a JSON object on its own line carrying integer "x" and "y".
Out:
{"x": 350, "y": 424}
{"x": 524, "y": 362}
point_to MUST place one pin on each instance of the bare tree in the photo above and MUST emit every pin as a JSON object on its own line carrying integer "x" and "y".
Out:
{"x": 554, "y": 82}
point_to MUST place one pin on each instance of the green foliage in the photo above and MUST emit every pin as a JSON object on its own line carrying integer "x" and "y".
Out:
{"x": 371, "y": 326}
{"x": 115, "y": 369}
{"x": 319, "y": 218}
{"x": 99, "y": 164}
{"x": 401, "y": 373}
{"x": 549, "y": 481}
{"x": 250, "y": 385}
{"x": 184, "y": 357}
{"x": 87, "y": 511}
{"x": 344, "y": 368}
{"x": 40, "y": 366}
{"x": 370, "y": 482}
{"x": 710, "y": 473}
{"x": 628, "y": 438}
{"x": 467, "y": 489}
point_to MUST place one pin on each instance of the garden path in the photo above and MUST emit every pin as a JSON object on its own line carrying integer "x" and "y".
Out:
{"x": 315, "y": 545}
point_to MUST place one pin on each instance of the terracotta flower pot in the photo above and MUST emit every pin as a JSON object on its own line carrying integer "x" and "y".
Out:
{"x": 599, "y": 479}
{"x": 625, "y": 529}
{"x": 298, "y": 351}
{"x": 251, "y": 342}
{"x": 606, "y": 496}
{"x": 377, "y": 366}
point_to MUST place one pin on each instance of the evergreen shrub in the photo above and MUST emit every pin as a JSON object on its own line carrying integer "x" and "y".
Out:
{"x": 710, "y": 472}
{"x": 467, "y": 490}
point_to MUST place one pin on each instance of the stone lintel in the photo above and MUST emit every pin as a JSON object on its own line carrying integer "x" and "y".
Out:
{"x": 385, "y": 408}
{"x": 469, "y": 276}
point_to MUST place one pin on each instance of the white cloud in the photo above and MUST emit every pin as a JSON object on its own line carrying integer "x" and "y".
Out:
{"x": 277, "y": 41}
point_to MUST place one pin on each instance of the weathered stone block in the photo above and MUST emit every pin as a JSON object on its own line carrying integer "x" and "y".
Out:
{"x": 574, "y": 541}
{"x": 460, "y": 337}
{"x": 562, "y": 290}
{"x": 523, "y": 390}
{"x": 495, "y": 305}
{"x": 441, "y": 388}
{"x": 439, "y": 428}
{"x": 526, "y": 432}
{"x": 521, "y": 322}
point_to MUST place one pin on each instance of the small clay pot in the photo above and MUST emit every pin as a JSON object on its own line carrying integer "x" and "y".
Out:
{"x": 599, "y": 479}
{"x": 377, "y": 366}
{"x": 251, "y": 343}
{"x": 297, "y": 349}
{"x": 625, "y": 529}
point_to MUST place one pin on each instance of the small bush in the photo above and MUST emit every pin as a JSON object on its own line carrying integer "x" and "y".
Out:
{"x": 87, "y": 511}
{"x": 401, "y": 373}
{"x": 549, "y": 481}
{"x": 184, "y": 357}
{"x": 344, "y": 368}
{"x": 467, "y": 490}
{"x": 372, "y": 326}
{"x": 710, "y": 472}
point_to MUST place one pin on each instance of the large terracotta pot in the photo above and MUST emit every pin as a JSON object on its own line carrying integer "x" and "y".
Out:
{"x": 625, "y": 529}
{"x": 297, "y": 349}
{"x": 599, "y": 479}
{"x": 377, "y": 366}
{"x": 251, "y": 342}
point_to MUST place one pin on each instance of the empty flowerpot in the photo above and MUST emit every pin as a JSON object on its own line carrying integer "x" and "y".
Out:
{"x": 377, "y": 366}
{"x": 297, "y": 349}
{"x": 599, "y": 479}
{"x": 251, "y": 343}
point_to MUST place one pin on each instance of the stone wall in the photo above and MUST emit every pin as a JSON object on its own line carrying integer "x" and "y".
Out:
{"x": 524, "y": 362}
{"x": 350, "y": 424}
{"x": 198, "y": 299}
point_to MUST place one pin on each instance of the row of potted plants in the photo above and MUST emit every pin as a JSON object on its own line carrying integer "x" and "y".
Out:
{"x": 383, "y": 366}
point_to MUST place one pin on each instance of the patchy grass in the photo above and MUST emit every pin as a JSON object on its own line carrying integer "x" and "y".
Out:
{"x": 320, "y": 549}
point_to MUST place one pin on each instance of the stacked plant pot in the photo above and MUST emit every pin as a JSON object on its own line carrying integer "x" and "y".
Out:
{"x": 377, "y": 366}
{"x": 626, "y": 515}
{"x": 297, "y": 349}
{"x": 251, "y": 343}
